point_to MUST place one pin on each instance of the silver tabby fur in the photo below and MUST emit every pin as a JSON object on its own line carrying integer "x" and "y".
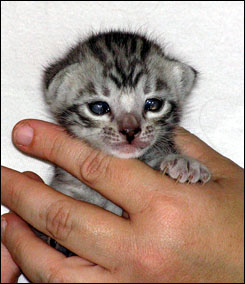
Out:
{"x": 123, "y": 69}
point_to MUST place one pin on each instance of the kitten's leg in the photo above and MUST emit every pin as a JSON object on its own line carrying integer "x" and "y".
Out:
{"x": 109, "y": 206}
{"x": 185, "y": 169}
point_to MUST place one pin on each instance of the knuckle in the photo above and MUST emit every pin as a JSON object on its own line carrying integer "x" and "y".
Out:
{"x": 59, "y": 222}
{"x": 148, "y": 260}
{"x": 142, "y": 255}
{"x": 94, "y": 167}
{"x": 146, "y": 253}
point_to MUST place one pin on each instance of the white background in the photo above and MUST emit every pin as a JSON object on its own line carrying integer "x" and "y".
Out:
{"x": 206, "y": 34}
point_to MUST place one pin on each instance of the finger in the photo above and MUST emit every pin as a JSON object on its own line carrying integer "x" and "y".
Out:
{"x": 81, "y": 227}
{"x": 125, "y": 182}
{"x": 9, "y": 269}
{"x": 192, "y": 146}
{"x": 43, "y": 264}
{"x": 33, "y": 176}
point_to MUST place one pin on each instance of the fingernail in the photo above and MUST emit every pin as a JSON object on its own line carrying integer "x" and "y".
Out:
{"x": 3, "y": 226}
{"x": 23, "y": 135}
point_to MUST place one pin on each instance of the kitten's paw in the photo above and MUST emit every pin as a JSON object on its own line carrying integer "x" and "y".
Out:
{"x": 185, "y": 169}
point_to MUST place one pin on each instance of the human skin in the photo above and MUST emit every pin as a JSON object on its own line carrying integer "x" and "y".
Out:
{"x": 174, "y": 233}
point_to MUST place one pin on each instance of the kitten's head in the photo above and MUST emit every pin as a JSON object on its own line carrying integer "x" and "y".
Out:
{"x": 118, "y": 92}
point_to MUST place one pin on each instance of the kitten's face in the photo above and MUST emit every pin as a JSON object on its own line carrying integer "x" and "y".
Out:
{"x": 118, "y": 92}
{"x": 124, "y": 122}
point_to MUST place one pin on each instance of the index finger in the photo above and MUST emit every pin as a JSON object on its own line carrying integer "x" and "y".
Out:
{"x": 114, "y": 178}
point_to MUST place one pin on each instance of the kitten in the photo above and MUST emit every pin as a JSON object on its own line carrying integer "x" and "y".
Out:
{"x": 120, "y": 93}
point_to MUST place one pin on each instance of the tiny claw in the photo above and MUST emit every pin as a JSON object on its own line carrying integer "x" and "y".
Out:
{"x": 165, "y": 170}
{"x": 189, "y": 179}
{"x": 177, "y": 180}
{"x": 203, "y": 183}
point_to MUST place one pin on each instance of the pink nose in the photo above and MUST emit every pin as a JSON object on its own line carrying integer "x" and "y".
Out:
{"x": 129, "y": 126}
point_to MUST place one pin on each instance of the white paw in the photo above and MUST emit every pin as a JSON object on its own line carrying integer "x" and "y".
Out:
{"x": 185, "y": 169}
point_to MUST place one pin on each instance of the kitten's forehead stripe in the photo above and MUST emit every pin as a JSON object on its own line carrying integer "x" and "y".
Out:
{"x": 130, "y": 77}
{"x": 108, "y": 43}
{"x": 120, "y": 38}
{"x": 120, "y": 71}
{"x": 133, "y": 45}
{"x": 81, "y": 92}
{"x": 96, "y": 50}
{"x": 160, "y": 85}
{"x": 85, "y": 91}
{"x": 90, "y": 88}
{"x": 107, "y": 68}
{"x": 115, "y": 80}
{"x": 147, "y": 87}
{"x": 137, "y": 78}
{"x": 105, "y": 91}
{"x": 145, "y": 49}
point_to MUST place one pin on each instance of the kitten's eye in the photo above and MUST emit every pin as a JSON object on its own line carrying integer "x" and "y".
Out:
{"x": 99, "y": 108}
{"x": 153, "y": 104}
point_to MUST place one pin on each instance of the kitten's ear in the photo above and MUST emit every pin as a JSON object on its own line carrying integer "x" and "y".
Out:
{"x": 183, "y": 78}
{"x": 51, "y": 90}
{"x": 61, "y": 89}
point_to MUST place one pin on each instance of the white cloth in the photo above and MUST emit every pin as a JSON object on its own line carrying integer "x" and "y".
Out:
{"x": 206, "y": 34}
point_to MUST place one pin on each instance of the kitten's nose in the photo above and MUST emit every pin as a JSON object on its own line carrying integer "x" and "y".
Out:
{"x": 130, "y": 127}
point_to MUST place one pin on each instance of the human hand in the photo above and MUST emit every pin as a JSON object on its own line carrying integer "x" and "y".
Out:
{"x": 174, "y": 233}
{"x": 10, "y": 272}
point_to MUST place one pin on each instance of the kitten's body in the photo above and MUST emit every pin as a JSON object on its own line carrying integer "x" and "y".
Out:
{"x": 140, "y": 92}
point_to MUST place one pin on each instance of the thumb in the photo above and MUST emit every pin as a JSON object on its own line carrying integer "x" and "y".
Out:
{"x": 190, "y": 145}
{"x": 9, "y": 270}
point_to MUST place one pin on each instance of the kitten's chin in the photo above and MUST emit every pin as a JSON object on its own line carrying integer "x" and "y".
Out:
{"x": 127, "y": 152}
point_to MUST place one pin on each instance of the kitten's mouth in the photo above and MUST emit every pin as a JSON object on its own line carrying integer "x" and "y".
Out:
{"x": 126, "y": 150}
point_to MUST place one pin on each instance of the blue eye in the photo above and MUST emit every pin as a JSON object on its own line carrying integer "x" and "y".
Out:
{"x": 99, "y": 108}
{"x": 153, "y": 105}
